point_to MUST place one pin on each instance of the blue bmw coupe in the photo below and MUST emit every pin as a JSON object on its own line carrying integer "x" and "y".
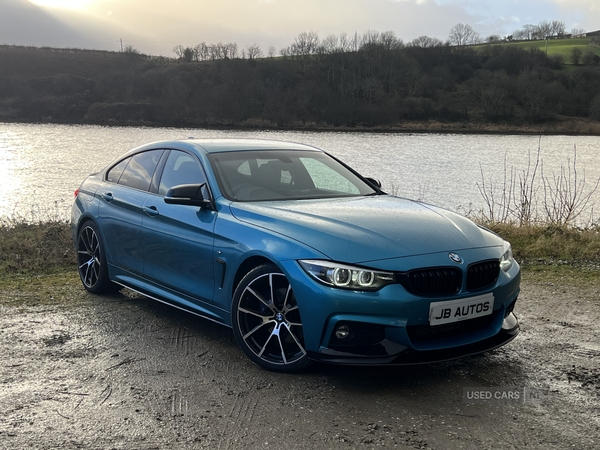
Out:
{"x": 304, "y": 258}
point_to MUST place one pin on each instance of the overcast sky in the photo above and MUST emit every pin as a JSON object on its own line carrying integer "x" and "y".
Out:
{"x": 155, "y": 27}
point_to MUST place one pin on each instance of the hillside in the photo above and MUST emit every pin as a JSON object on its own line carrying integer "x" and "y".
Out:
{"x": 380, "y": 85}
{"x": 561, "y": 48}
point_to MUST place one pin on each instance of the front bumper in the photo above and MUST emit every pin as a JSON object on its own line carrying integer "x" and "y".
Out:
{"x": 395, "y": 354}
{"x": 391, "y": 326}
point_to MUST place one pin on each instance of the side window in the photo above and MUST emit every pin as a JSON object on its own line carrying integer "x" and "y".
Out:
{"x": 115, "y": 173}
{"x": 180, "y": 168}
{"x": 140, "y": 170}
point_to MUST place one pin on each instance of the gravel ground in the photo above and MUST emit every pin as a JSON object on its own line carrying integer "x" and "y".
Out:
{"x": 124, "y": 372}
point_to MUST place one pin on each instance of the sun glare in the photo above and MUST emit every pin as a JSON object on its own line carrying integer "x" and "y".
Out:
{"x": 69, "y": 4}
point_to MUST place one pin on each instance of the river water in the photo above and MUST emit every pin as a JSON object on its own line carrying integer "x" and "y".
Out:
{"x": 41, "y": 165}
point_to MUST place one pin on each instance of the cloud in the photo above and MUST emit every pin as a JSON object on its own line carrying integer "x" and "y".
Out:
{"x": 581, "y": 13}
{"x": 155, "y": 27}
{"x": 23, "y": 23}
{"x": 276, "y": 22}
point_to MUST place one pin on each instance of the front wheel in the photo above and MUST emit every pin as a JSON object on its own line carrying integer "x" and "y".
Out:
{"x": 91, "y": 260}
{"x": 266, "y": 320}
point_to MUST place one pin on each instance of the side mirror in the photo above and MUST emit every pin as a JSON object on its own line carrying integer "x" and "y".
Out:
{"x": 374, "y": 182}
{"x": 188, "y": 194}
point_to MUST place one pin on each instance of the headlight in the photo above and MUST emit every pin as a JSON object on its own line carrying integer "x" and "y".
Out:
{"x": 347, "y": 277}
{"x": 507, "y": 261}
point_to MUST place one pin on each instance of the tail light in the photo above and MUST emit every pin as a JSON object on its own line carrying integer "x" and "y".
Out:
{"x": 76, "y": 193}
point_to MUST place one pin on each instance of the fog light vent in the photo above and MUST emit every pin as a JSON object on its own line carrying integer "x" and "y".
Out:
{"x": 358, "y": 338}
{"x": 342, "y": 332}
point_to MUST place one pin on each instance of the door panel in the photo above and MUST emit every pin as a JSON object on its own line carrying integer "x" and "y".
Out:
{"x": 178, "y": 247}
{"x": 178, "y": 240}
{"x": 120, "y": 218}
{"x": 121, "y": 198}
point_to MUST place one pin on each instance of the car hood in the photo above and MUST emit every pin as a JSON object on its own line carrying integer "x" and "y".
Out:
{"x": 362, "y": 229}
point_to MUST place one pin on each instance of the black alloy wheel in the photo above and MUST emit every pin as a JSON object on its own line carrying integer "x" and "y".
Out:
{"x": 91, "y": 260}
{"x": 266, "y": 320}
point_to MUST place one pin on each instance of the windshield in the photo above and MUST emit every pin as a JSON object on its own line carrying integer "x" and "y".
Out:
{"x": 248, "y": 176}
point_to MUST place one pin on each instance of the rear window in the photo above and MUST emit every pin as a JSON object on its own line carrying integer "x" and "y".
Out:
{"x": 136, "y": 171}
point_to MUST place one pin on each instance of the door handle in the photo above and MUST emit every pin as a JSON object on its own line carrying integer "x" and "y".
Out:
{"x": 150, "y": 210}
{"x": 107, "y": 196}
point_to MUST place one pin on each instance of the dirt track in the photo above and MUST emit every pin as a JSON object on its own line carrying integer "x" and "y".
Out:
{"x": 124, "y": 372}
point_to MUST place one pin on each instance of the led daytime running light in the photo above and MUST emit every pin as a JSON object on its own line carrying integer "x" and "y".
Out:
{"x": 347, "y": 277}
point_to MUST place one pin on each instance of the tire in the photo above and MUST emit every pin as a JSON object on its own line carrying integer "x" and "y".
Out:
{"x": 266, "y": 320}
{"x": 91, "y": 260}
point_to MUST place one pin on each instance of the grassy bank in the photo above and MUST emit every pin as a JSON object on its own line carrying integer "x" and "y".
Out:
{"x": 35, "y": 248}
{"x": 552, "y": 47}
{"x": 553, "y": 254}
{"x": 545, "y": 252}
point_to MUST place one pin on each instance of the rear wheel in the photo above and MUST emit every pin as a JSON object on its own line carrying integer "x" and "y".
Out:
{"x": 266, "y": 320}
{"x": 91, "y": 260}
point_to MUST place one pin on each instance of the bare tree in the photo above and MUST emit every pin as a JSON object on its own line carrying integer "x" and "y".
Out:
{"x": 463, "y": 34}
{"x": 272, "y": 52}
{"x": 184, "y": 53}
{"x": 515, "y": 201}
{"x": 178, "y": 50}
{"x": 386, "y": 40}
{"x": 519, "y": 35}
{"x": 565, "y": 194}
{"x": 331, "y": 44}
{"x": 202, "y": 52}
{"x": 578, "y": 32}
{"x": 230, "y": 50}
{"x": 253, "y": 51}
{"x": 389, "y": 41}
{"x": 131, "y": 50}
{"x": 348, "y": 43}
{"x": 214, "y": 51}
{"x": 527, "y": 33}
{"x": 544, "y": 29}
{"x": 558, "y": 28}
{"x": 305, "y": 44}
{"x": 369, "y": 37}
{"x": 425, "y": 42}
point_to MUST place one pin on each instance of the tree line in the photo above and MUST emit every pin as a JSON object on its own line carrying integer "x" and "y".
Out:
{"x": 372, "y": 79}
{"x": 308, "y": 43}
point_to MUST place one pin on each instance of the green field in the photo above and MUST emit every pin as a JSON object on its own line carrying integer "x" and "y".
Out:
{"x": 554, "y": 47}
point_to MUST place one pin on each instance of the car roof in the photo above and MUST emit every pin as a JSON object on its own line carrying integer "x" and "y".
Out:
{"x": 227, "y": 145}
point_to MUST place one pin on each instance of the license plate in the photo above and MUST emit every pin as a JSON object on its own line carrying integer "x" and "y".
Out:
{"x": 463, "y": 309}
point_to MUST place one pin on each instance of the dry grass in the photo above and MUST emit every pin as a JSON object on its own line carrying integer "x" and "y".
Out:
{"x": 46, "y": 247}
{"x": 41, "y": 247}
{"x": 552, "y": 244}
